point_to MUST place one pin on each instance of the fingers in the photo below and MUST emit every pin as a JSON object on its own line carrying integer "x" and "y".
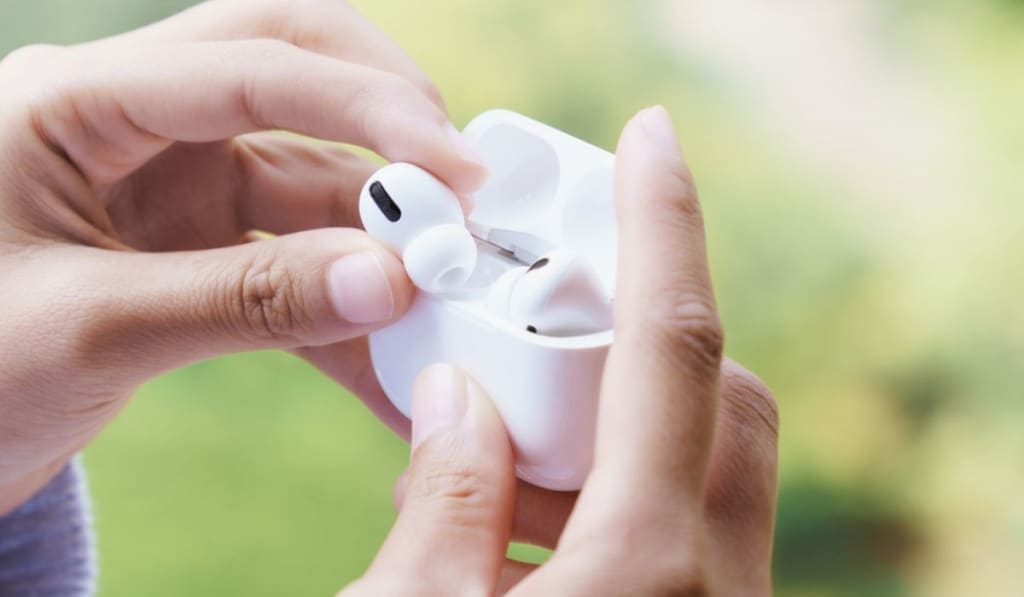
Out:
{"x": 741, "y": 493}
{"x": 313, "y": 288}
{"x": 199, "y": 196}
{"x": 289, "y": 185}
{"x": 741, "y": 487}
{"x": 659, "y": 397}
{"x": 112, "y": 114}
{"x": 452, "y": 532}
{"x": 330, "y": 27}
{"x": 539, "y": 517}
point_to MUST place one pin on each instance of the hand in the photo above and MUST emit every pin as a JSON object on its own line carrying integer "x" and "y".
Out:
{"x": 131, "y": 169}
{"x": 681, "y": 498}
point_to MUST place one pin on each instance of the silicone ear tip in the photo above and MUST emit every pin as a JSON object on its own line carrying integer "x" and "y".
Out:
{"x": 441, "y": 259}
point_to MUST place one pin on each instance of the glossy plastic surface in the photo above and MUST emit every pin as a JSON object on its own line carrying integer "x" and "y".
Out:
{"x": 547, "y": 190}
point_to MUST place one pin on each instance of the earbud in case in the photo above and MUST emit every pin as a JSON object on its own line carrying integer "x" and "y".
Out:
{"x": 528, "y": 316}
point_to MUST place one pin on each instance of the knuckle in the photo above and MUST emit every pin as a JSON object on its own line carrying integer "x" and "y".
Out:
{"x": 280, "y": 18}
{"x": 269, "y": 47}
{"x": 676, "y": 191}
{"x": 268, "y": 303}
{"x": 680, "y": 581}
{"x": 677, "y": 571}
{"x": 690, "y": 324}
{"x": 428, "y": 88}
{"x": 459, "y": 485}
{"x": 363, "y": 110}
{"x": 270, "y": 53}
{"x": 302, "y": 23}
{"x": 741, "y": 488}
{"x": 277, "y": 11}
{"x": 457, "y": 489}
{"x": 749, "y": 401}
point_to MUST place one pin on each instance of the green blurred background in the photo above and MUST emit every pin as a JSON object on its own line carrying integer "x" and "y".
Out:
{"x": 861, "y": 164}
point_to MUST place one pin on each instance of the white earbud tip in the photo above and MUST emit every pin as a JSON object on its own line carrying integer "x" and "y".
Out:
{"x": 441, "y": 259}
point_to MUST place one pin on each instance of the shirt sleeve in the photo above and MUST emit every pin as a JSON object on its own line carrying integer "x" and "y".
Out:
{"x": 46, "y": 546}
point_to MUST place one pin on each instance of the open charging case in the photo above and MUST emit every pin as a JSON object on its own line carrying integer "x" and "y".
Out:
{"x": 547, "y": 190}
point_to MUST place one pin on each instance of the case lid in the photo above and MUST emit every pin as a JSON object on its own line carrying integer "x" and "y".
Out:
{"x": 547, "y": 189}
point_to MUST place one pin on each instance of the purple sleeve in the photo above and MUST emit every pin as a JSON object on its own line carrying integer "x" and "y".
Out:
{"x": 46, "y": 543}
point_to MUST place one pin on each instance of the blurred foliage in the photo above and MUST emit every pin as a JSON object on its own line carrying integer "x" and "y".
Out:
{"x": 878, "y": 298}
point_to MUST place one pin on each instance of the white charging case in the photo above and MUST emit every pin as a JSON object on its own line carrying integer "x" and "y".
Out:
{"x": 546, "y": 190}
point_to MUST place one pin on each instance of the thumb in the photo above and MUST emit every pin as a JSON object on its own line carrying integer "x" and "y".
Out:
{"x": 452, "y": 533}
{"x": 152, "y": 312}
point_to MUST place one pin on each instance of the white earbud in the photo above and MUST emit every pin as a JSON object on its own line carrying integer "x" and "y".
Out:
{"x": 559, "y": 295}
{"x": 417, "y": 215}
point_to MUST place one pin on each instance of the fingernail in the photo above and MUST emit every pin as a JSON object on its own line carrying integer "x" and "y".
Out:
{"x": 440, "y": 402}
{"x": 659, "y": 128}
{"x": 360, "y": 289}
{"x": 469, "y": 153}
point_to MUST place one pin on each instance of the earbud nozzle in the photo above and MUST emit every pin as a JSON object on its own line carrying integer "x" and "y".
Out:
{"x": 441, "y": 259}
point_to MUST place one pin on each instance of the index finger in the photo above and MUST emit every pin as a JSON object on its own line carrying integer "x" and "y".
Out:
{"x": 659, "y": 397}
{"x": 111, "y": 112}
{"x": 329, "y": 27}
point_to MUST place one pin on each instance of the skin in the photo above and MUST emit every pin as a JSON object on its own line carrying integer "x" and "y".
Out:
{"x": 681, "y": 499}
{"x": 131, "y": 171}
{"x": 134, "y": 169}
